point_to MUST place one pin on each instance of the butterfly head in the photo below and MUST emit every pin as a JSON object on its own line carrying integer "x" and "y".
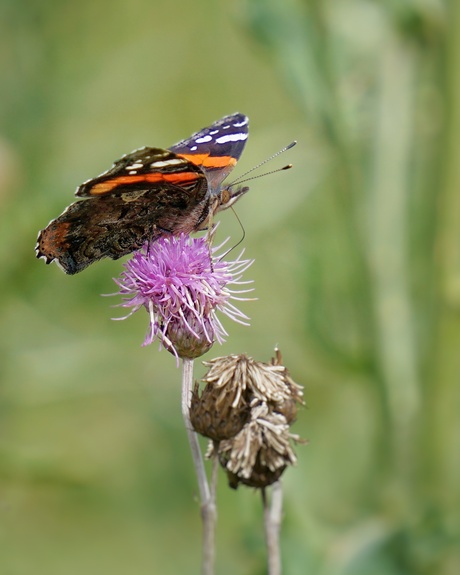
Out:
{"x": 228, "y": 196}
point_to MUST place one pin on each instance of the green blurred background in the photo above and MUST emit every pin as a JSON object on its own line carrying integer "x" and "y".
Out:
{"x": 357, "y": 276}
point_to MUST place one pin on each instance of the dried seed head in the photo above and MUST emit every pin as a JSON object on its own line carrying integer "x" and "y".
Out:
{"x": 258, "y": 455}
{"x": 249, "y": 378}
{"x": 248, "y": 406}
{"x": 261, "y": 476}
{"x": 213, "y": 414}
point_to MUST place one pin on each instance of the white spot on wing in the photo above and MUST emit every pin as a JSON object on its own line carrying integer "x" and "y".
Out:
{"x": 231, "y": 138}
{"x": 203, "y": 139}
{"x": 241, "y": 124}
{"x": 172, "y": 162}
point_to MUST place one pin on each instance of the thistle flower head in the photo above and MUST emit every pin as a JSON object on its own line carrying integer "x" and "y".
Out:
{"x": 182, "y": 284}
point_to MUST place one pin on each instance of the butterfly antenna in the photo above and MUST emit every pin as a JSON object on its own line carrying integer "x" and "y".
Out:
{"x": 287, "y": 167}
{"x": 240, "y": 180}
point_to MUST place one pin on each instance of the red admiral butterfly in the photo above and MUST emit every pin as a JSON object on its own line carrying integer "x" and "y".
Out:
{"x": 146, "y": 194}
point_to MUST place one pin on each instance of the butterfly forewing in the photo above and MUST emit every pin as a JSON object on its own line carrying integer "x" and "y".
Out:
{"x": 216, "y": 148}
{"x": 141, "y": 169}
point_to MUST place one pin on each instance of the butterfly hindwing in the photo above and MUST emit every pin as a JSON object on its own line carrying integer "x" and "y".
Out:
{"x": 114, "y": 226}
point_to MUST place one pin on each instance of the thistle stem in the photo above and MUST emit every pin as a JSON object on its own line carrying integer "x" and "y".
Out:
{"x": 272, "y": 521}
{"x": 208, "y": 506}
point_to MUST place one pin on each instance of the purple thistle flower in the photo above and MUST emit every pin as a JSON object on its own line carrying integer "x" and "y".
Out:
{"x": 182, "y": 285}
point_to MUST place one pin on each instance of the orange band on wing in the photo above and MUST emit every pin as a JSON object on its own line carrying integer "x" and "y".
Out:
{"x": 110, "y": 185}
{"x": 208, "y": 161}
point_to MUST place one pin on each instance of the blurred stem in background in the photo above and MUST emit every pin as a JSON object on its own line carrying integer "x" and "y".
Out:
{"x": 387, "y": 246}
{"x": 370, "y": 78}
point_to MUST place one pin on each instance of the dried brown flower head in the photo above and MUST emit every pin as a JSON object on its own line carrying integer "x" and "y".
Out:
{"x": 213, "y": 414}
{"x": 262, "y": 450}
{"x": 248, "y": 406}
{"x": 247, "y": 378}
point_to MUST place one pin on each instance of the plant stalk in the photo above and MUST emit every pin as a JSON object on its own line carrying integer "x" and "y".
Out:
{"x": 273, "y": 511}
{"x": 208, "y": 506}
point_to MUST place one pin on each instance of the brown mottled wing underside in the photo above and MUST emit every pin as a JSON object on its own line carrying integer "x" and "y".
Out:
{"x": 115, "y": 225}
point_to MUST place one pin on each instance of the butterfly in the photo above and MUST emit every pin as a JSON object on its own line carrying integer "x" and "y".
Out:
{"x": 146, "y": 194}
